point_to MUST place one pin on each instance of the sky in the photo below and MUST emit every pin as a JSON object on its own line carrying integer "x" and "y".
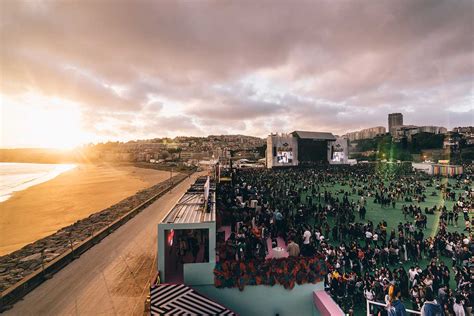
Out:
{"x": 73, "y": 72}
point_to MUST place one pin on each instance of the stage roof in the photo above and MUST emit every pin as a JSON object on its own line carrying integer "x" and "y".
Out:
{"x": 314, "y": 135}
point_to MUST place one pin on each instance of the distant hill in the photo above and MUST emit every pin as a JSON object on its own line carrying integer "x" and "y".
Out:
{"x": 129, "y": 151}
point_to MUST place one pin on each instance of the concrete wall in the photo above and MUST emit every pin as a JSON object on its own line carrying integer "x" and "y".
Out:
{"x": 265, "y": 300}
{"x": 199, "y": 273}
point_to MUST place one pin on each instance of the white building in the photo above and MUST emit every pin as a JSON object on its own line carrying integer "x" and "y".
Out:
{"x": 366, "y": 133}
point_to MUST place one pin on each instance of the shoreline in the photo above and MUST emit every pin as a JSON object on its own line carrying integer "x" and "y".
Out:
{"x": 42, "y": 209}
{"x": 41, "y": 177}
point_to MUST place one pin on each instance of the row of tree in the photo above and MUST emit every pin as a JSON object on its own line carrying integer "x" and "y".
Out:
{"x": 386, "y": 147}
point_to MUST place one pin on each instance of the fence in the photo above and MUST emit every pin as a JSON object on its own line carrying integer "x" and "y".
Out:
{"x": 385, "y": 305}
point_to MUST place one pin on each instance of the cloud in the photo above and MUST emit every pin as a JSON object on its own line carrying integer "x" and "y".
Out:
{"x": 254, "y": 67}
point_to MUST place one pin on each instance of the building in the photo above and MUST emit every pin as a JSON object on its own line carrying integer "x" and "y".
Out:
{"x": 409, "y": 130}
{"x": 366, "y": 133}
{"x": 464, "y": 130}
{"x": 451, "y": 141}
{"x": 432, "y": 129}
{"x": 394, "y": 120}
{"x": 195, "y": 213}
{"x": 404, "y": 131}
{"x": 186, "y": 155}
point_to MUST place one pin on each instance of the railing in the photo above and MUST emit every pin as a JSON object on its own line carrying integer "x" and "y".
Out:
{"x": 385, "y": 305}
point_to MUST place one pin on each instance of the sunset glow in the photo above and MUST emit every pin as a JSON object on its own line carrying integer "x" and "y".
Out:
{"x": 34, "y": 121}
{"x": 75, "y": 73}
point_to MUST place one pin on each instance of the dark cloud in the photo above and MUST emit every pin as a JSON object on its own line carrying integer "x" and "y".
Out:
{"x": 327, "y": 65}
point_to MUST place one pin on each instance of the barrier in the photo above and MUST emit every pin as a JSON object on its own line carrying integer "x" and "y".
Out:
{"x": 325, "y": 304}
{"x": 14, "y": 293}
{"x": 385, "y": 305}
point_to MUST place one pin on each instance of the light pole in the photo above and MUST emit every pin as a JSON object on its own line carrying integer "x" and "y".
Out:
{"x": 171, "y": 178}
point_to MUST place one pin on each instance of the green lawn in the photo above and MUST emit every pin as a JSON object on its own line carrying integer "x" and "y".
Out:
{"x": 393, "y": 216}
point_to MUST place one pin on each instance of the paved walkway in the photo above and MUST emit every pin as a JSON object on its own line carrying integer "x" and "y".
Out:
{"x": 112, "y": 277}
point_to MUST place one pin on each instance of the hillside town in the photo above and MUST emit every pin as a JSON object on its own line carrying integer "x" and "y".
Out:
{"x": 397, "y": 142}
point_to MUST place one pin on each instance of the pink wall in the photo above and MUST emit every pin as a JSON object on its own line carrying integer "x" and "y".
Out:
{"x": 325, "y": 304}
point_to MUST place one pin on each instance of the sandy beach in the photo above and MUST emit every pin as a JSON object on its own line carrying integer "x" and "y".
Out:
{"x": 43, "y": 209}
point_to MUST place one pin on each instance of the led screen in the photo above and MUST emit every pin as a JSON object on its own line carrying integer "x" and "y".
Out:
{"x": 284, "y": 155}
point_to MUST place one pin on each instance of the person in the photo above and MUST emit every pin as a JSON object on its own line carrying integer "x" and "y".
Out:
{"x": 307, "y": 237}
{"x": 362, "y": 212}
{"x": 293, "y": 249}
{"x": 278, "y": 221}
{"x": 458, "y": 307}
{"x": 370, "y": 295}
{"x": 306, "y": 251}
{"x": 182, "y": 249}
{"x": 194, "y": 245}
{"x": 412, "y": 273}
{"x": 396, "y": 307}
{"x": 431, "y": 306}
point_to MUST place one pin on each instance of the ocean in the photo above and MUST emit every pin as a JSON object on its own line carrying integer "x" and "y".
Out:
{"x": 19, "y": 176}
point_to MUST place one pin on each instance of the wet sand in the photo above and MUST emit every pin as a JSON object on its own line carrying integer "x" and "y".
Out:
{"x": 41, "y": 210}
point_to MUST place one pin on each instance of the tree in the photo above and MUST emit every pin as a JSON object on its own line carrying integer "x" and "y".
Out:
{"x": 422, "y": 141}
{"x": 164, "y": 154}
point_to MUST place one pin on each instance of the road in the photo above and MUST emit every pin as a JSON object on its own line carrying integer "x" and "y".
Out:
{"x": 112, "y": 277}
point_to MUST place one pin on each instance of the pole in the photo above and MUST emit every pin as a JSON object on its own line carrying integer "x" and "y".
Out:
{"x": 46, "y": 276}
{"x": 74, "y": 256}
{"x": 42, "y": 261}
{"x": 171, "y": 177}
{"x": 70, "y": 243}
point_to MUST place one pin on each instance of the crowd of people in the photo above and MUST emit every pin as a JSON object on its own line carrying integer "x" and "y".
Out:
{"x": 321, "y": 212}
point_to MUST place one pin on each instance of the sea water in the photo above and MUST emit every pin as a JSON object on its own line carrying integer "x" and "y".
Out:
{"x": 19, "y": 176}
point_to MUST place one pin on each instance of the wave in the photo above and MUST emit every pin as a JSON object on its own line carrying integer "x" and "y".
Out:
{"x": 20, "y": 176}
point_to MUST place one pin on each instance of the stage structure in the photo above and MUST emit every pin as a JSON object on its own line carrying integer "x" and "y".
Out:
{"x": 306, "y": 148}
{"x": 282, "y": 150}
{"x": 339, "y": 151}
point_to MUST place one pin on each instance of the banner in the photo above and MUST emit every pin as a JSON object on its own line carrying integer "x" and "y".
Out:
{"x": 206, "y": 189}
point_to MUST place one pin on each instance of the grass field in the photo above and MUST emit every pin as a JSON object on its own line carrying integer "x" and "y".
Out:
{"x": 393, "y": 216}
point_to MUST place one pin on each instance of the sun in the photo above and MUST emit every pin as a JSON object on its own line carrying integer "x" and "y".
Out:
{"x": 36, "y": 121}
{"x": 62, "y": 129}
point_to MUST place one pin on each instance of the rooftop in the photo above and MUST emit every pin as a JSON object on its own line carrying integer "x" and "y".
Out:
{"x": 314, "y": 135}
{"x": 191, "y": 207}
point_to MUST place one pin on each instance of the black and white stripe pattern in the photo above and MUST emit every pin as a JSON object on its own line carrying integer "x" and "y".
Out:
{"x": 179, "y": 299}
